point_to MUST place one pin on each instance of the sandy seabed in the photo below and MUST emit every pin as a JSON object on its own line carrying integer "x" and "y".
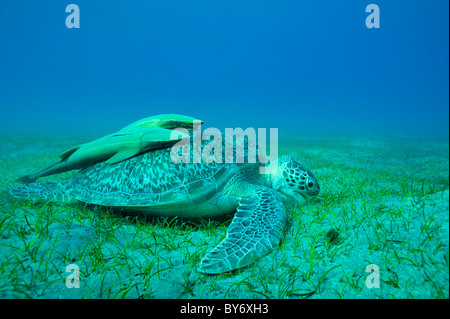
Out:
{"x": 384, "y": 205}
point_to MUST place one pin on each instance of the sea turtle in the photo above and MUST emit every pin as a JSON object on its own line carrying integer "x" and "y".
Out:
{"x": 141, "y": 136}
{"x": 152, "y": 183}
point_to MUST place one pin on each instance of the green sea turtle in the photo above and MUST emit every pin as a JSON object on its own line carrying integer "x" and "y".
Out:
{"x": 141, "y": 136}
{"x": 152, "y": 184}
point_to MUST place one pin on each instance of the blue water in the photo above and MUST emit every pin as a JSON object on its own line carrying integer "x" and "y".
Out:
{"x": 308, "y": 66}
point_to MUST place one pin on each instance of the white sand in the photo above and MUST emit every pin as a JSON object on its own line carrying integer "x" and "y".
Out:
{"x": 387, "y": 198}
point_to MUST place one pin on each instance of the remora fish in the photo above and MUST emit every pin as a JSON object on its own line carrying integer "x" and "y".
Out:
{"x": 139, "y": 137}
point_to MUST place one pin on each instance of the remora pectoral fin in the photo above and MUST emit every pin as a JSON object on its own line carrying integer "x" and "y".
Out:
{"x": 160, "y": 137}
{"x": 123, "y": 155}
{"x": 150, "y": 139}
{"x": 64, "y": 155}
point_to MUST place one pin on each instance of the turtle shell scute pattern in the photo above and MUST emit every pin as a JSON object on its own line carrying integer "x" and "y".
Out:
{"x": 149, "y": 179}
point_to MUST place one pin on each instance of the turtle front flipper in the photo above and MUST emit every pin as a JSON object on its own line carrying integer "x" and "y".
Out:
{"x": 255, "y": 230}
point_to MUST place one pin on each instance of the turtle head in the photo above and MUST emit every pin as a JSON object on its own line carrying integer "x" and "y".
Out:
{"x": 293, "y": 181}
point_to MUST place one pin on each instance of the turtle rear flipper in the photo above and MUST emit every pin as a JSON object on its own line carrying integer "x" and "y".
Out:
{"x": 42, "y": 192}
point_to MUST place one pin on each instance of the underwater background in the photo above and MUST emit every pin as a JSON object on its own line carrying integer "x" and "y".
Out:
{"x": 365, "y": 109}
{"x": 304, "y": 66}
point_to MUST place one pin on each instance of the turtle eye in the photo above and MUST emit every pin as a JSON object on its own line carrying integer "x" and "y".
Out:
{"x": 310, "y": 184}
